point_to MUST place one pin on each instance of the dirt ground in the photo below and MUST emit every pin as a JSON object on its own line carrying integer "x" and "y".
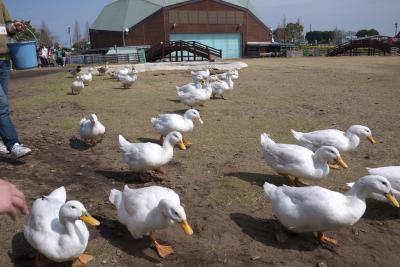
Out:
{"x": 219, "y": 178}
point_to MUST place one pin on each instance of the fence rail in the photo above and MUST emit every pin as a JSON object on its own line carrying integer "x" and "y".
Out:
{"x": 102, "y": 59}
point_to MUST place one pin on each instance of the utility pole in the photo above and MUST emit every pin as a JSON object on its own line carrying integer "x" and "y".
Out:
{"x": 395, "y": 26}
{"x": 69, "y": 33}
{"x": 310, "y": 27}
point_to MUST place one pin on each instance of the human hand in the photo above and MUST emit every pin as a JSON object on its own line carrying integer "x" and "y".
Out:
{"x": 17, "y": 26}
{"x": 11, "y": 199}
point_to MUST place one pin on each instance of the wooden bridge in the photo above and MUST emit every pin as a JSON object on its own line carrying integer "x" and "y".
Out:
{"x": 182, "y": 51}
{"x": 381, "y": 43}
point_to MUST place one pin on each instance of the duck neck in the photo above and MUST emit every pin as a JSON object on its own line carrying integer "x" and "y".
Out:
{"x": 354, "y": 140}
{"x": 167, "y": 146}
{"x": 229, "y": 81}
{"x": 69, "y": 226}
{"x": 357, "y": 190}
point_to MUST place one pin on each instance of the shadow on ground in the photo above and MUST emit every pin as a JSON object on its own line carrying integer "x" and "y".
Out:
{"x": 263, "y": 231}
{"x": 78, "y": 144}
{"x": 119, "y": 236}
{"x": 258, "y": 178}
{"x": 380, "y": 211}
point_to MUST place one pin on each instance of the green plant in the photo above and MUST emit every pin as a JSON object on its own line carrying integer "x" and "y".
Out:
{"x": 27, "y": 35}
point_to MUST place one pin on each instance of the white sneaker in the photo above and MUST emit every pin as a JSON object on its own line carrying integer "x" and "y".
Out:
{"x": 3, "y": 148}
{"x": 18, "y": 151}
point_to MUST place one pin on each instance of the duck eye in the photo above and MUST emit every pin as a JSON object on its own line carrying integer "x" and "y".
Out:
{"x": 384, "y": 183}
{"x": 73, "y": 207}
{"x": 176, "y": 213}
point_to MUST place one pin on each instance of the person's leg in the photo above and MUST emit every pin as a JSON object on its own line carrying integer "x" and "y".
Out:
{"x": 7, "y": 130}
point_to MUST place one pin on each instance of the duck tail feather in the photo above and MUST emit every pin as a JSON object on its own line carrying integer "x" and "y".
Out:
{"x": 297, "y": 135}
{"x": 269, "y": 189}
{"x": 115, "y": 197}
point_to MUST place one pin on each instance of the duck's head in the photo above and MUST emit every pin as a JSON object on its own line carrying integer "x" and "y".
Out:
{"x": 176, "y": 213}
{"x": 330, "y": 154}
{"x": 193, "y": 114}
{"x": 175, "y": 138}
{"x": 361, "y": 130}
{"x": 197, "y": 77}
{"x": 74, "y": 210}
{"x": 93, "y": 118}
{"x": 379, "y": 185}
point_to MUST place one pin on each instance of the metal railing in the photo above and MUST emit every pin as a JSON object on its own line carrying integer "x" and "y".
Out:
{"x": 112, "y": 59}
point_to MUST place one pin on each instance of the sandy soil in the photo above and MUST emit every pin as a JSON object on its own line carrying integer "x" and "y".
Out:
{"x": 219, "y": 178}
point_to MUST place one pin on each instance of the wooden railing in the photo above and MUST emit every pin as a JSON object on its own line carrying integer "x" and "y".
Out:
{"x": 374, "y": 42}
{"x": 183, "y": 51}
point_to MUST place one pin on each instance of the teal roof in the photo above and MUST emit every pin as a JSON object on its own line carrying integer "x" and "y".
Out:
{"x": 122, "y": 14}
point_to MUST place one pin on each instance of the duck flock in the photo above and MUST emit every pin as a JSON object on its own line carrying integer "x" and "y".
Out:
{"x": 56, "y": 227}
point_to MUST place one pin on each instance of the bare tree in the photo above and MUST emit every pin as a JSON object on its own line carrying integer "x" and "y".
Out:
{"x": 76, "y": 37}
{"x": 87, "y": 33}
{"x": 45, "y": 36}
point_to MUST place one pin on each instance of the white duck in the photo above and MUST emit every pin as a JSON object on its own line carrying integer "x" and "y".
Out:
{"x": 195, "y": 97}
{"x": 299, "y": 162}
{"x": 91, "y": 129}
{"x": 233, "y": 72}
{"x": 56, "y": 228}
{"x": 205, "y": 72}
{"x": 128, "y": 80}
{"x": 148, "y": 209}
{"x": 197, "y": 84}
{"x": 392, "y": 174}
{"x": 343, "y": 141}
{"x": 77, "y": 86}
{"x": 221, "y": 85}
{"x": 316, "y": 209}
{"x": 142, "y": 157}
{"x": 87, "y": 78}
{"x": 124, "y": 71}
{"x": 166, "y": 123}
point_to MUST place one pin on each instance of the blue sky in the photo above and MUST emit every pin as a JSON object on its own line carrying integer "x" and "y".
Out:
{"x": 321, "y": 14}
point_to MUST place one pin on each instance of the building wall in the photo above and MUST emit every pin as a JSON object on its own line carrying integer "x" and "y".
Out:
{"x": 158, "y": 27}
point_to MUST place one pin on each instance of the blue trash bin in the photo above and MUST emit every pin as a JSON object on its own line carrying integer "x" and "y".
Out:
{"x": 23, "y": 55}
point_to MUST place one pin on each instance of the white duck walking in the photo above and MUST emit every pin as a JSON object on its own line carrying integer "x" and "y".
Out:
{"x": 142, "y": 157}
{"x": 197, "y": 84}
{"x": 316, "y": 209}
{"x": 343, "y": 141}
{"x": 195, "y": 97}
{"x": 56, "y": 228}
{"x": 166, "y": 123}
{"x": 91, "y": 130}
{"x": 148, "y": 209}
{"x": 392, "y": 174}
{"x": 220, "y": 85}
{"x": 299, "y": 162}
{"x": 77, "y": 85}
{"x": 205, "y": 73}
{"x": 128, "y": 80}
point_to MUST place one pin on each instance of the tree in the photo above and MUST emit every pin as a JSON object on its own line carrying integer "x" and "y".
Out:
{"x": 366, "y": 33}
{"x": 289, "y": 31}
{"x": 87, "y": 33}
{"x": 77, "y": 37}
{"x": 28, "y": 34}
{"x": 322, "y": 37}
{"x": 294, "y": 31}
{"x": 45, "y": 36}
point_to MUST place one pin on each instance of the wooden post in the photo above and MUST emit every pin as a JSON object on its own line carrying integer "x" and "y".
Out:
{"x": 195, "y": 51}
{"x": 181, "y": 50}
{"x": 163, "y": 49}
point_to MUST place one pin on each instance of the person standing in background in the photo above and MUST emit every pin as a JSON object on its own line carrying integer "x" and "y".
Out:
{"x": 9, "y": 142}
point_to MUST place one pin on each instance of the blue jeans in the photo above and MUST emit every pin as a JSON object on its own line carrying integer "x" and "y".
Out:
{"x": 7, "y": 130}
